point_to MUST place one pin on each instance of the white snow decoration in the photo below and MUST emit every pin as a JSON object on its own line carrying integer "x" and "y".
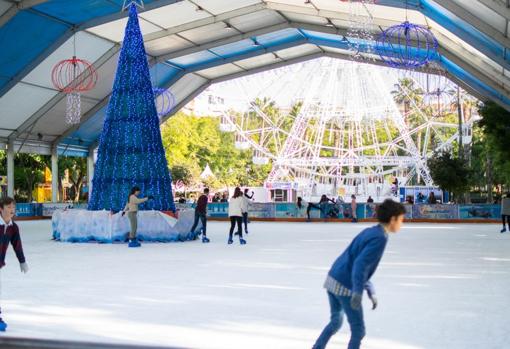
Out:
{"x": 77, "y": 225}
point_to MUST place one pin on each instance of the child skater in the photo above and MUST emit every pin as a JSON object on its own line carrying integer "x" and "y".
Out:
{"x": 246, "y": 206}
{"x": 351, "y": 273}
{"x": 9, "y": 233}
{"x": 132, "y": 212}
{"x": 505, "y": 212}
{"x": 201, "y": 213}
{"x": 235, "y": 212}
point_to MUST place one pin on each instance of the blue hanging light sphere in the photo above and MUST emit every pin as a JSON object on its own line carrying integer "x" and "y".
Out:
{"x": 165, "y": 100}
{"x": 407, "y": 46}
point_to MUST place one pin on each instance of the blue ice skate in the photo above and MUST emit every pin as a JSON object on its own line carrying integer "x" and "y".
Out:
{"x": 242, "y": 241}
{"x": 502, "y": 230}
{"x": 134, "y": 243}
{"x": 3, "y": 326}
{"x": 205, "y": 239}
{"x": 230, "y": 241}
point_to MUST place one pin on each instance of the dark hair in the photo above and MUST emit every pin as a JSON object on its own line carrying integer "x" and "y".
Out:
{"x": 246, "y": 190}
{"x": 133, "y": 190}
{"x": 6, "y": 201}
{"x": 389, "y": 209}
{"x": 206, "y": 190}
{"x": 299, "y": 202}
{"x": 237, "y": 192}
{"x": 353, "y": 196}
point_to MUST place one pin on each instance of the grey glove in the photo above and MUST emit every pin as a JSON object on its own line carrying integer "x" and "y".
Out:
{"x": 23, "y": 267}
{"x": 373, "y": 298}
{"x": 356, "y": 301}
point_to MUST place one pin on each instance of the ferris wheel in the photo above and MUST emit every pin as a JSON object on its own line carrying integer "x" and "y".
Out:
{"x": 342, "y": 127}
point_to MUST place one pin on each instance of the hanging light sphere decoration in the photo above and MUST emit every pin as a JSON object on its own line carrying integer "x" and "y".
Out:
{"x": 73, "y": 76}
{"x": 407, "y": 46}
{"x": 165, "y": 101}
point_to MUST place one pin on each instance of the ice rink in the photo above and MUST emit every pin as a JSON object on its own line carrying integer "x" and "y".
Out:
{"x": 440, "y": 286}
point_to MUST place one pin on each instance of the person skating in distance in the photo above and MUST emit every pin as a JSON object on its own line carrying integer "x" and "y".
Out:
{"x": 235, "y": 212}
{"x": 201, "y": 214}
{"x": 246, "y": 207}
{"x": 351, "y": 272}
{"x": 132, "y": 211}
{"x": 9, "y": 234}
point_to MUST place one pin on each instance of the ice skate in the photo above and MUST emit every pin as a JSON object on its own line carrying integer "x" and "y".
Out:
{"x": 242, "y": 241}
{"x": 230, "y": 241}
{"x": 205, "y": 239}
{"x": 134, "y": 243}
{"x": 503, "y": 230}
{"x": 3, "y": 326}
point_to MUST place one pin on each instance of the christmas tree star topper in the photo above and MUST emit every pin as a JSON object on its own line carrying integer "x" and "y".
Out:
{"x": 128, "y": 3}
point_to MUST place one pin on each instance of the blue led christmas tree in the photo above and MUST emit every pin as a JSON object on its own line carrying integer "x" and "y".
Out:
{"x": 130, "y": 148}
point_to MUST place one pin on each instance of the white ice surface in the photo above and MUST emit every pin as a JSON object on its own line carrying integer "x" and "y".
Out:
{"x": 439, "y": 286}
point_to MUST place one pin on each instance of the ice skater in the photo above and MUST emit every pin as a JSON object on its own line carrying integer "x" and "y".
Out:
{"x": 322, "y": 205}
{"x": 246, "y": 207}
{"x": 351, "y": 273}
{"x": 132, "y": 211}
{"x": 505, "y": 212}
{"x": 201, "y": 214}
{"x": 235, "y": 212}
{"x": 9, "y": 234}
{"x": 354, "y": 207}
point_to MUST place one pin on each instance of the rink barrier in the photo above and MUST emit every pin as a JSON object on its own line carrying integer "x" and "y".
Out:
{"x": 25, "y": 343}
{"x": 465, "y": 213}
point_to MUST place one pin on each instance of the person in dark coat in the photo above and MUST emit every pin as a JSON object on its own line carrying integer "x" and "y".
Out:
{"x": 201, "y": 214}
{"x": 351, "y": 272}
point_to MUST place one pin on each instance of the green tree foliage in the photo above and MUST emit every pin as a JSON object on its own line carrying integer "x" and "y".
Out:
{"x": 77, "y": 171}
{"x": 28, "y": 171}
{"x": 450, "y": 173}
{"x": 193, "y": 142}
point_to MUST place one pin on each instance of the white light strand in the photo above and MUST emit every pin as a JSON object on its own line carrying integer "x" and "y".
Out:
{"x": 73, "y": 108}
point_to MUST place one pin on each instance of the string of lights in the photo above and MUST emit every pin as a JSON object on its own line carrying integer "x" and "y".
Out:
{"x": 130, "y": 150}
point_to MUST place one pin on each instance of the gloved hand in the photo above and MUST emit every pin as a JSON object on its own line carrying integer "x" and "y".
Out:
{"x": 150, "y": 197}
{"x": 356, "y": 301}
{"x": 373, "y": 298}
{"x": 23, "y": 267}
{"x": 123, "y": 213}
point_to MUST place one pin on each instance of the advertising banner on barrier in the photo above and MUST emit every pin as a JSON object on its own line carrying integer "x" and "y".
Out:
{"x": 262, "y": 210}
{"x": 435, "y": 212}
{"x": 286, "y": 210}
{"x": 479, "y": 211}
{"x": 217, "y": 209}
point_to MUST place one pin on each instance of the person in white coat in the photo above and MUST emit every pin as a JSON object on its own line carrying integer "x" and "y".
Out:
{"x": 235, "y": 212}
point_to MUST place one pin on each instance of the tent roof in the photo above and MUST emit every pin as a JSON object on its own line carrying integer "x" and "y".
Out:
{"x": 194, "y": 43}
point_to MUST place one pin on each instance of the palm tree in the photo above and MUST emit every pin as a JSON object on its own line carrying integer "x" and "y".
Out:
{"x": 407, "y": 94}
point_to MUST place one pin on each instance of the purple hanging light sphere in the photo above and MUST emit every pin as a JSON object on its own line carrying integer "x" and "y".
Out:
{"x": 165, "y": 101}
{"x": 406, "y": 46}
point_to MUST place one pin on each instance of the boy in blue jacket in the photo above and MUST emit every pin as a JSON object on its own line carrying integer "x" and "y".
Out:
{"x": 351, "y": 273}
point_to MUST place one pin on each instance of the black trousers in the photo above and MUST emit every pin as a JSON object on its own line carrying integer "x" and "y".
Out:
{"x": 233, "y": 221}
{"x": 245, "y": 220}
{"x": 503, "y": 216}
{"x": 309, "y": 208}
{"x": 203, "y": 218}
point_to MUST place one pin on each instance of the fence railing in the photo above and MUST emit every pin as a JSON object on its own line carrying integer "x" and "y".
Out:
{"x": 291, "y": 210}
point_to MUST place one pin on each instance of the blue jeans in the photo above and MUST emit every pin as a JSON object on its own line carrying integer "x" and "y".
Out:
{"x": 203, "y": 218}
{"x": 340, "y": 305}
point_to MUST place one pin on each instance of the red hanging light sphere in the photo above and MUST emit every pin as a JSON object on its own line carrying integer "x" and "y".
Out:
{"x": 74, "y": 75}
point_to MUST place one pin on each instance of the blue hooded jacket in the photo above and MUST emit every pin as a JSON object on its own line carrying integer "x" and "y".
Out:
{"x": 354, "y": 268}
